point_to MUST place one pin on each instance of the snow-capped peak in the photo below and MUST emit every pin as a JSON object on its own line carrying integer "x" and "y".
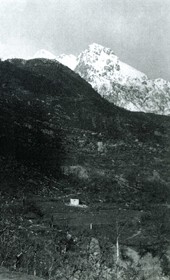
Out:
{"x": 106, "y": 66}
{"x": 68, "y": 60}
{"x": 121, "y": 83}
{"x": 98, "y": 49}
{"x": 104, "y": 59}
{"x": 115, "y": 80}
{"x": 44, "y": 54}
{"x": 95, "y": 46}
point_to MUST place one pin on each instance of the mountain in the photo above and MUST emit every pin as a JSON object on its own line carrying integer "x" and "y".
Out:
{"x": 115, "y": 80}
{"x": 44, "y": 54}
{"x": 60, "y": 139}
{"x": 122, "y": 84}
{"x": 105, "y": 62}
{"x": 52, "y": 103}
{"x": 53, "y": 120}
{"x": 68, "y": 60}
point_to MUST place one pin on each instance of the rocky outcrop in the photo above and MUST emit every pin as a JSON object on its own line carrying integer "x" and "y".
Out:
{"x": 122, "y": 84}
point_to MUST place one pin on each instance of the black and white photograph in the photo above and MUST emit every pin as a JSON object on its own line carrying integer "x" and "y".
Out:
{"x": 85, "y": 139}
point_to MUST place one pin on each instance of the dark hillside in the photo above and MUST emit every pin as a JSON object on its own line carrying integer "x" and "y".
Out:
{"x": 83, "y": 103}
{"x": 51, "y": 118}
{"x": 60, "y": 139}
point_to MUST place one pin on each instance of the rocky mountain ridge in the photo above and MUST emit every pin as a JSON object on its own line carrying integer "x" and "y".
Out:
{"x": 46, "y": 101}
{"x": 121, "y": 84}
{"x": 68, "y": 60}
{"x": 116, "y": 81}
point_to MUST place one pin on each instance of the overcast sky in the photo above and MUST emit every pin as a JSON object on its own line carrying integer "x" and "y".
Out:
{"x": 138, "y": 31}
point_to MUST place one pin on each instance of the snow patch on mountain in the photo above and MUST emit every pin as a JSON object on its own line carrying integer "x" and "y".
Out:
{"x": 68, "y": 60}
{"x": 122, "y": 84}
{"x": 44, "y": 54}
{"x": 130, "y": 72}
{"x": 104, "y": 63}
{"x": 115, "y": 80}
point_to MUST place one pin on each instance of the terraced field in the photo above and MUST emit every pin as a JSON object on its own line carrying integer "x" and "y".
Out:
{"x": 136, "y": 227}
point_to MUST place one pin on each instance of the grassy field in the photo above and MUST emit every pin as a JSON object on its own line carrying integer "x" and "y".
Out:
{"x": 136, "y": 226}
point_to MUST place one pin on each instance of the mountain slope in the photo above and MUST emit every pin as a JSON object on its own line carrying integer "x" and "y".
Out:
{"x": 46, "y": 93}
{"x": 122, "y": 84}
{"x": 79, "y": 96}
{"x": 69, "y": 60}
{"x": 105, "y": 62}
{"x": 59, "y": 140}
{"x": 5, "y": 274}
{"x": 116, "y": 81}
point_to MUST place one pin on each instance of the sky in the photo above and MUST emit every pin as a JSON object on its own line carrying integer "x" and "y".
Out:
{"x": 138, "y": 31}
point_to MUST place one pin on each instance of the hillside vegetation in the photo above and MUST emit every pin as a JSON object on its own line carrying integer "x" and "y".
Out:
{"x": 60, "y": 140}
